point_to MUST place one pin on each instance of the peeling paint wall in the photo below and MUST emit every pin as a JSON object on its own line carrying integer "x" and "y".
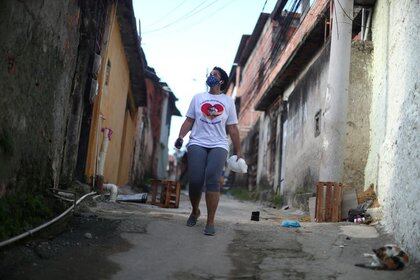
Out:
{"x": 394, "y": 159}
{"x": 303, "y": 148}
{"x": 143, "y": 148}
{"x": 268, "y": 149}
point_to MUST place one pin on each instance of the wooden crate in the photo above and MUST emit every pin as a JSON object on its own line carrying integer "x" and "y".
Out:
{"x": 329, "y": 196}
{"x": 166, "y": 193}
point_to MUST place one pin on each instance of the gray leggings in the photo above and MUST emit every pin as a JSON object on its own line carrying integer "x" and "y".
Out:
{"x": 205, "y": 164}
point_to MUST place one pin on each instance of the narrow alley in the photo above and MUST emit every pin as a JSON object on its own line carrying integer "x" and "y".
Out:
{"x": 209, "y": 139}
{"x": 137, "y": 241}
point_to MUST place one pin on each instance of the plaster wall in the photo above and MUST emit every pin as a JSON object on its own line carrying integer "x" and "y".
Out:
{"x": 394, "y": 158}
{"x": 302, "y": 148}
{"x": 358, "y": 109}
{"x": 114, "y": 101}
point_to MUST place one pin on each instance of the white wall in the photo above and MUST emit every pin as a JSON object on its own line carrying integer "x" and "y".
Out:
{"x": 394, "y": 158}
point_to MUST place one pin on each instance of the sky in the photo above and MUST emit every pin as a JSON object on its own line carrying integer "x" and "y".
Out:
{"x": 185, "y": 39}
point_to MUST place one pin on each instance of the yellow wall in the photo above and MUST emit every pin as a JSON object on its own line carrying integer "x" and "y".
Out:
{"x": 127, "y": 147}
{"x": 111, "y": 103}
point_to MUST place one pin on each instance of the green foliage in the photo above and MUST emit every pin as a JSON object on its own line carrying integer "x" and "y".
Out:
{"x": 21, "y": 212}
{"x": 240, "y": 193}
{"x": 278, "y": 200}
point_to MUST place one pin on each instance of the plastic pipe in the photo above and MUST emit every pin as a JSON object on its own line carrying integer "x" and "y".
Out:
{"x": 113, "y": 189}
{"x": 32, "y": 231}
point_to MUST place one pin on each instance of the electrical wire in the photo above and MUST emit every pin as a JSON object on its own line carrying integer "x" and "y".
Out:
{"x": 343, "y": 10}
{"x": 167, "y": 14}
{"x": 184, "y": 17}
{"x": 195, "y": 24}
{"x": 265, "y": 3}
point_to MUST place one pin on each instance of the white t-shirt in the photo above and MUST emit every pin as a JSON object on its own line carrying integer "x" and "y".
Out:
{"x": 211, "y": 112}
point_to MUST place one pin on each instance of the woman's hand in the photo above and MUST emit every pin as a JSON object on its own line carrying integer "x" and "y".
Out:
{"x": 178, "y": 143}
{"x": 186, "y": 126}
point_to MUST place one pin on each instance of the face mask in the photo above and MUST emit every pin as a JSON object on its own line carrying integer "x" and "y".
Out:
{"x": 212, "y": 81}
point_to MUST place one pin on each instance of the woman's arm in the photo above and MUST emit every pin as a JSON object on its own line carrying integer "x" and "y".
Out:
{"x": 186, "y": 126}
{"x": 234, "y": 135}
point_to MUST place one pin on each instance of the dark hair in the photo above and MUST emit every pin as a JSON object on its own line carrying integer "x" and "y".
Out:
{"x": 224, "y": 76}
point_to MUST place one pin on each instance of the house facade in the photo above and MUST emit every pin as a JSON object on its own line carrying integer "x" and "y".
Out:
{"x": 320, "y": 108}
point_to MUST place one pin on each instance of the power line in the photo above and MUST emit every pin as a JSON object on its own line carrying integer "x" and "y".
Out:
{"x": 184, "y": 17}
{"x": 212, "y": 14}
{"x": 167, "y": 14}
{"x": 343, "y": 10}
{"x": 265, "y": 3}
{"x": 195, "y": 24}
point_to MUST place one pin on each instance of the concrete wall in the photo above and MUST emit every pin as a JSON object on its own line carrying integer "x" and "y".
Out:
{"x": 302, "y": 148}
{"x": 393, "y": 164}
{"x": 39, "y": 44}
{"x": 268, "y": 149}
{"x": 164, "y": 135}
{"x": 143, "y": 148}
{"x": 358, "y": 110}
{"x": 155, "y": 98}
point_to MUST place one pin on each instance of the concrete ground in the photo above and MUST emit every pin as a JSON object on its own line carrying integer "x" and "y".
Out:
{"x": 138, "y": 241}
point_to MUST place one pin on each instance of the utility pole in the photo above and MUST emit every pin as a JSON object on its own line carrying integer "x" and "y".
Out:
{"x": 335, "y": 109}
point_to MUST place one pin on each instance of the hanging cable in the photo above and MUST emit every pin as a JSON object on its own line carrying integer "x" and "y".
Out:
{"x": 167, "y": 14}
{"x": 184, "y": 17}
{"x": 195, "y": 24}
{"x": 265, "y": 3}
{"x": 349, "y": 17}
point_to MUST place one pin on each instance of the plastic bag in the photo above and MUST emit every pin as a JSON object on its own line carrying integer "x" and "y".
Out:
{"x": 290, "y": 224}
{"x": 238, "y": 166}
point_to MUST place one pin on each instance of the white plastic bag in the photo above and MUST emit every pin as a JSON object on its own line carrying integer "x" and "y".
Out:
{"x": 238, "y": 166}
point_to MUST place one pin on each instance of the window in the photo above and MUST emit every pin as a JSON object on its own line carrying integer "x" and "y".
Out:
{"x": 318, "y": 123}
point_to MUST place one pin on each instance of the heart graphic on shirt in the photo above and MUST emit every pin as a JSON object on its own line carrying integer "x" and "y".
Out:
{"x": 212, "y": 111}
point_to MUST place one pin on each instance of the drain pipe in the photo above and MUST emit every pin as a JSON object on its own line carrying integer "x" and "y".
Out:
{"x": 32, "y": 231}
{"x": 104, "y": 149}
{"x": 335, "y": 108}
{"x": 113, "y": 189}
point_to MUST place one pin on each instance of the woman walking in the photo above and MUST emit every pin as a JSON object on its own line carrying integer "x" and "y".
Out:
{"x": 209, "y": 117}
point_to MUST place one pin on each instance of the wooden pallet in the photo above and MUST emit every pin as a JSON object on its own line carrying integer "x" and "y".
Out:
{"x": 166, "y": 193}
{"x": 329, "y": 196}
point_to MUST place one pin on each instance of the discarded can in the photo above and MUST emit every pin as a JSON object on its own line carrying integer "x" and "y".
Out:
{"x": 255, "y": 216}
